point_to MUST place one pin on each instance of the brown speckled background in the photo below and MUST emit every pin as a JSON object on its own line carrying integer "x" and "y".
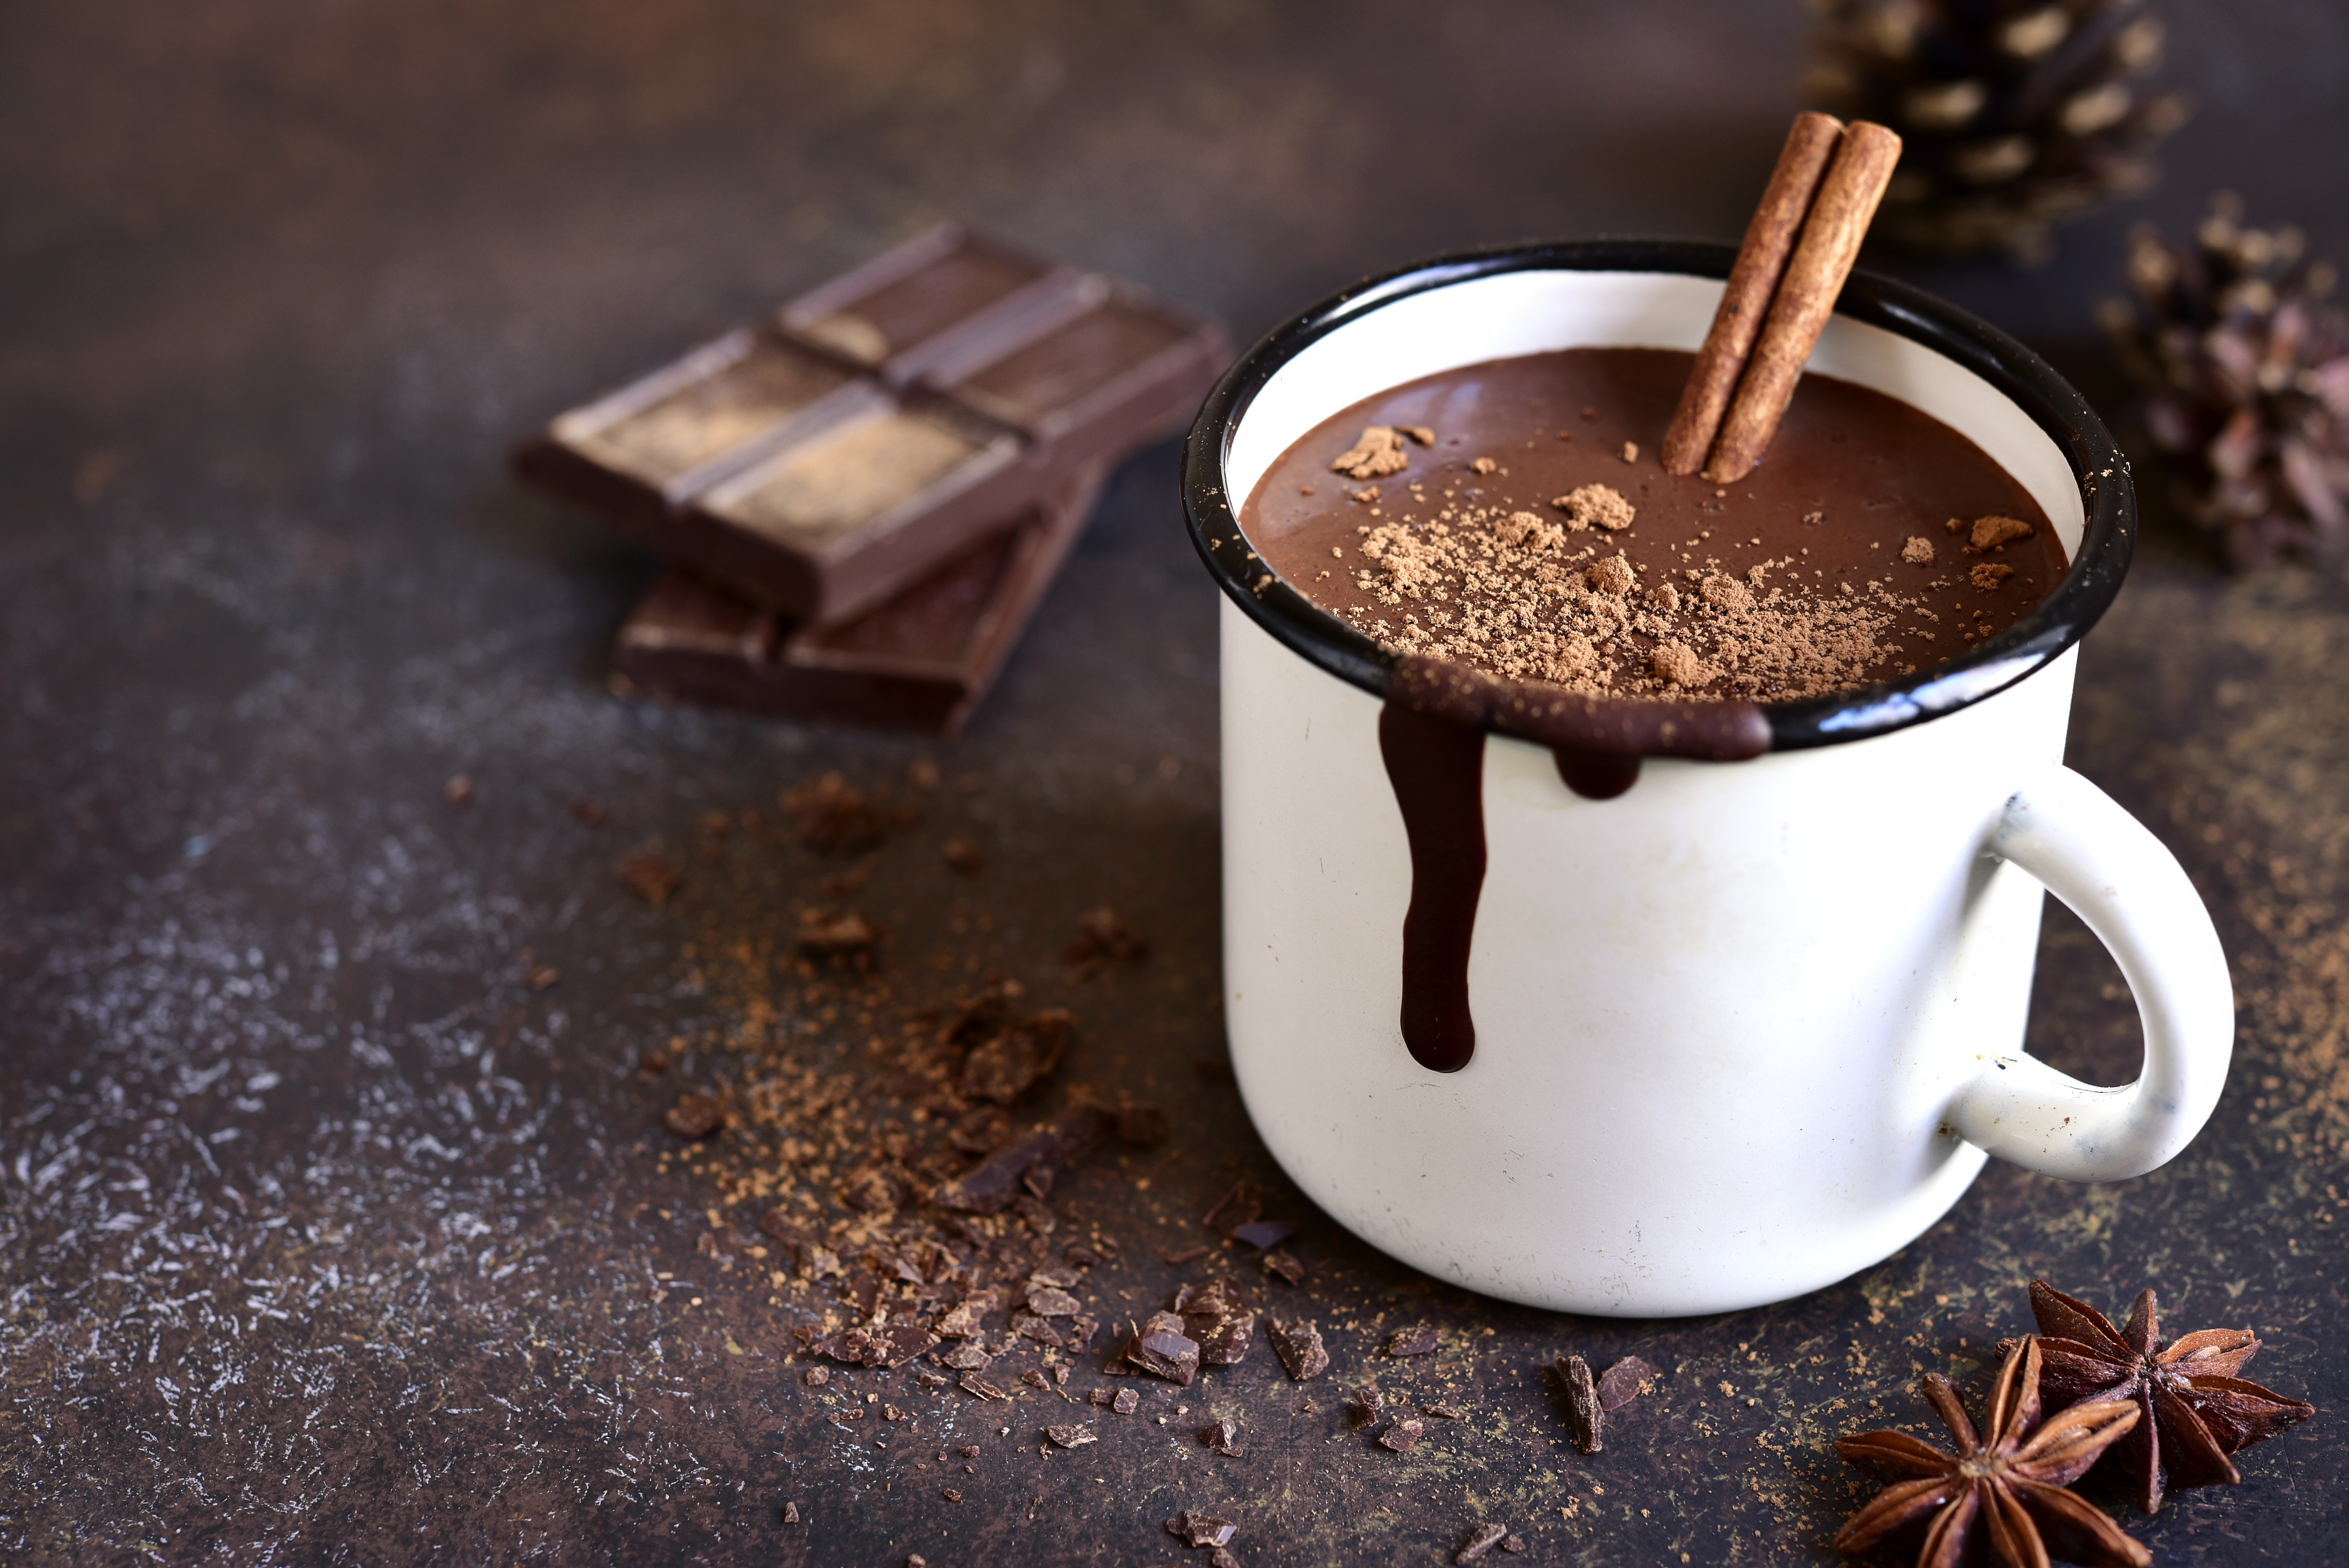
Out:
{"x": 322, "y": 1239}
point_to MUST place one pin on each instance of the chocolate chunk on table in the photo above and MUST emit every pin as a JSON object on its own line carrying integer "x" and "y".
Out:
{"x": 923, "y": 660}
{"x": 1298, "y": 1343}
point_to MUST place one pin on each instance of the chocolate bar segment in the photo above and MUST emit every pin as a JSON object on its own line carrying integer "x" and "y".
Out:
{"x": 737, "y": 390}
{"x": 941, "y": 298}
{"x": 881, "y": 424}
{"x": 1095, "y": 369}
{"x": 921, "y": 660}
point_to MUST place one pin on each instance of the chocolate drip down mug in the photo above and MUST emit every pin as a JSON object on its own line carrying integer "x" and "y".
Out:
{"x": 1748, "y": 1026}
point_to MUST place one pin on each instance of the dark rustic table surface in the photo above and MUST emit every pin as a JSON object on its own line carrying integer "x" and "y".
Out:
{"x": 326, "y": 1236}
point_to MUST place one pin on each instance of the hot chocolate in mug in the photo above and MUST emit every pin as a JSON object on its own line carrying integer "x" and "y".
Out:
{"x": 1747, "y": 1027}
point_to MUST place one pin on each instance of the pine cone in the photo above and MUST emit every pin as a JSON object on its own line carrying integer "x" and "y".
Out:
{"x": 2013, "y": 113}
{"x": 2249, "y": 370}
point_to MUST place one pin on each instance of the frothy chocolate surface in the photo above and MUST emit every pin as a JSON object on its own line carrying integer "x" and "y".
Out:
{"x": 1512, "y": 515}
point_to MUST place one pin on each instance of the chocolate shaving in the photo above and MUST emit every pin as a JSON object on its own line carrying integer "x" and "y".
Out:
{"x": 1185, "y": 1255}
{"x": 1624, "y": 1382}
{"x": 1073, "y": 1435}
{"x": 1264, "y": 1233}
{"x": 1403, "y": 1437}
{"x": 972, "y": 1383}
{"x": 1585, "y": 1418}
{"x": 1480, "y": 1540}
{"x": 1281, "y": 1266}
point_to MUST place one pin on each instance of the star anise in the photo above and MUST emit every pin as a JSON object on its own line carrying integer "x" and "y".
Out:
{"x": 2005, "y": 1492}
{"x": 2193, "y": 1411}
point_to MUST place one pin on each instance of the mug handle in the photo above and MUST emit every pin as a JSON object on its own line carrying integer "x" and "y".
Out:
{"x": 2132, "y": 892}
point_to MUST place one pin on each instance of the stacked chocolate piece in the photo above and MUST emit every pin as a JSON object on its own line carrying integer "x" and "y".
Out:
{"x": 865, "y": 497}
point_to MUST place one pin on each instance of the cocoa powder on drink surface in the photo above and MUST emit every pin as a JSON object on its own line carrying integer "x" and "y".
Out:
{"x": 1531, "y": 538}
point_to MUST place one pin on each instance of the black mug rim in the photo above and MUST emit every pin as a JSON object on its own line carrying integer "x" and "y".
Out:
{"x": 2108, "y": 497}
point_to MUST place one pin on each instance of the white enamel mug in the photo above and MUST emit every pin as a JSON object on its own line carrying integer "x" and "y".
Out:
{"x": 1750, "y": 1026}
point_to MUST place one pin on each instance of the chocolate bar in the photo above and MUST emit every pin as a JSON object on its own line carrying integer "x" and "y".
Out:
{"x": 880, "y": 424}
{"x": 920, "y": 660}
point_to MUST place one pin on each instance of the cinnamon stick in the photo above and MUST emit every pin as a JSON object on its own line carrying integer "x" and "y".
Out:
{"x": 1770, "y": 239}
{"x": 1838, "y": 221}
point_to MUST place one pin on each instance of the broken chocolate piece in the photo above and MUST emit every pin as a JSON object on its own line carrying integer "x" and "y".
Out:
{"x": 1228, "y": 1341}
{"x": 696, "y": 1116}
{"x": 1362, "y": 1407}
{"x": 972, "y": 1383}
{"x": 1039, "y": 1330}
{"x": 1417, "y": 1340}
{"x": 1624, "y": 1382}
{"x": 1194, "y": 1529}
{"x": 1280, "y": 1265}
{"x": 1162, "y": 1349}
{"x": 1480, "y": 1540}
{"x": 1403, "y": 1437}
{"x": 1221, "y": 1437}
{"x": 816, "y": 1376}
{"x": 961, "y": 1321}
{"x": 1125, "y": 1402}
{"x": 1262, "y": 1234}
{"x": 1238, "y": 1207}
{"x": 901, "y": 1339}
{"x": 1298, "y": 1343}
{"x": 1585, "y": 1418}
{"x": 1074, "y": 1435}
{"x": 1102, "y": 1397}
{"x": 1049, "y": 1301}
{"x": 990, "y": 1187}
{"x": 790, "y": 1513}
{"x": 1185, "y": 1255}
